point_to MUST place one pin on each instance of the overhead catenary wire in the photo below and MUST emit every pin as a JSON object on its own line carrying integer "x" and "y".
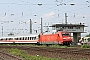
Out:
{"x": 50, "y": 7}
{"x": 44, "y": 4}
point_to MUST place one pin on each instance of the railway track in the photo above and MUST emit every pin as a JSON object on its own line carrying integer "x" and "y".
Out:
{"x": 76, "y": 53}
{"x": 6, "y": 56}
{"x": 61, "y": 50}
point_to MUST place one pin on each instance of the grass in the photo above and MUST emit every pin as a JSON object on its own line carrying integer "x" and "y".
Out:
{"x": 85, "y": 46}
{"x": 44, "y": 45}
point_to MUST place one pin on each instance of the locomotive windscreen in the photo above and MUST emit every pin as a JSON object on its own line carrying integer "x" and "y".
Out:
{"x": 65, "y": 34}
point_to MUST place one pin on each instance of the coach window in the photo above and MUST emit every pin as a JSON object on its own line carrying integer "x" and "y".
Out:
{"x": 31, "y": 38}
{"x": 1, "y": 39}
{"x": 20, "y": 38}
{"x": 9, "y": 38}
{"x": 34, "y": 38}
{"x": 25, "y": 38}
{"x": 6, "y": 39}
{"x": 16, "y": 38}
{"x": 28, "y": 38}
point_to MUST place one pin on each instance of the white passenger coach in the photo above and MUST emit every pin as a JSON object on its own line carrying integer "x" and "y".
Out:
{"x": 32, "y": 38}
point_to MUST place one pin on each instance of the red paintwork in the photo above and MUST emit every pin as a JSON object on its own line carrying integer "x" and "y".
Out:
{"x": 58, "y": 37}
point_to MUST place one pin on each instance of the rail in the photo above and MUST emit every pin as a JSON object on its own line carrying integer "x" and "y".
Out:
{"x": 7, "y": 56}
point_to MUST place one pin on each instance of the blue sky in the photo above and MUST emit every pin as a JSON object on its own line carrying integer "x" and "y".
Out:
{"x": 51, "y": 11}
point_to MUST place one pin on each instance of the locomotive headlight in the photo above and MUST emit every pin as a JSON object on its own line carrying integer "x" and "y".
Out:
{"x": 68, "y": 37}
{"x": 64, "y": 38}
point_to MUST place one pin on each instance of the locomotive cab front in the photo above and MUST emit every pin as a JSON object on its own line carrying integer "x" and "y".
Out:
{"x": 66, "y": 38}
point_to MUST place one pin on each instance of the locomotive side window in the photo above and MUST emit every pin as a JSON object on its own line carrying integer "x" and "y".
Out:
{"x": 58, "y": 35}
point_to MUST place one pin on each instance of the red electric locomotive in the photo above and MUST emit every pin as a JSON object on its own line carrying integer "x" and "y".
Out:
{"x": 60, "y": 37}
